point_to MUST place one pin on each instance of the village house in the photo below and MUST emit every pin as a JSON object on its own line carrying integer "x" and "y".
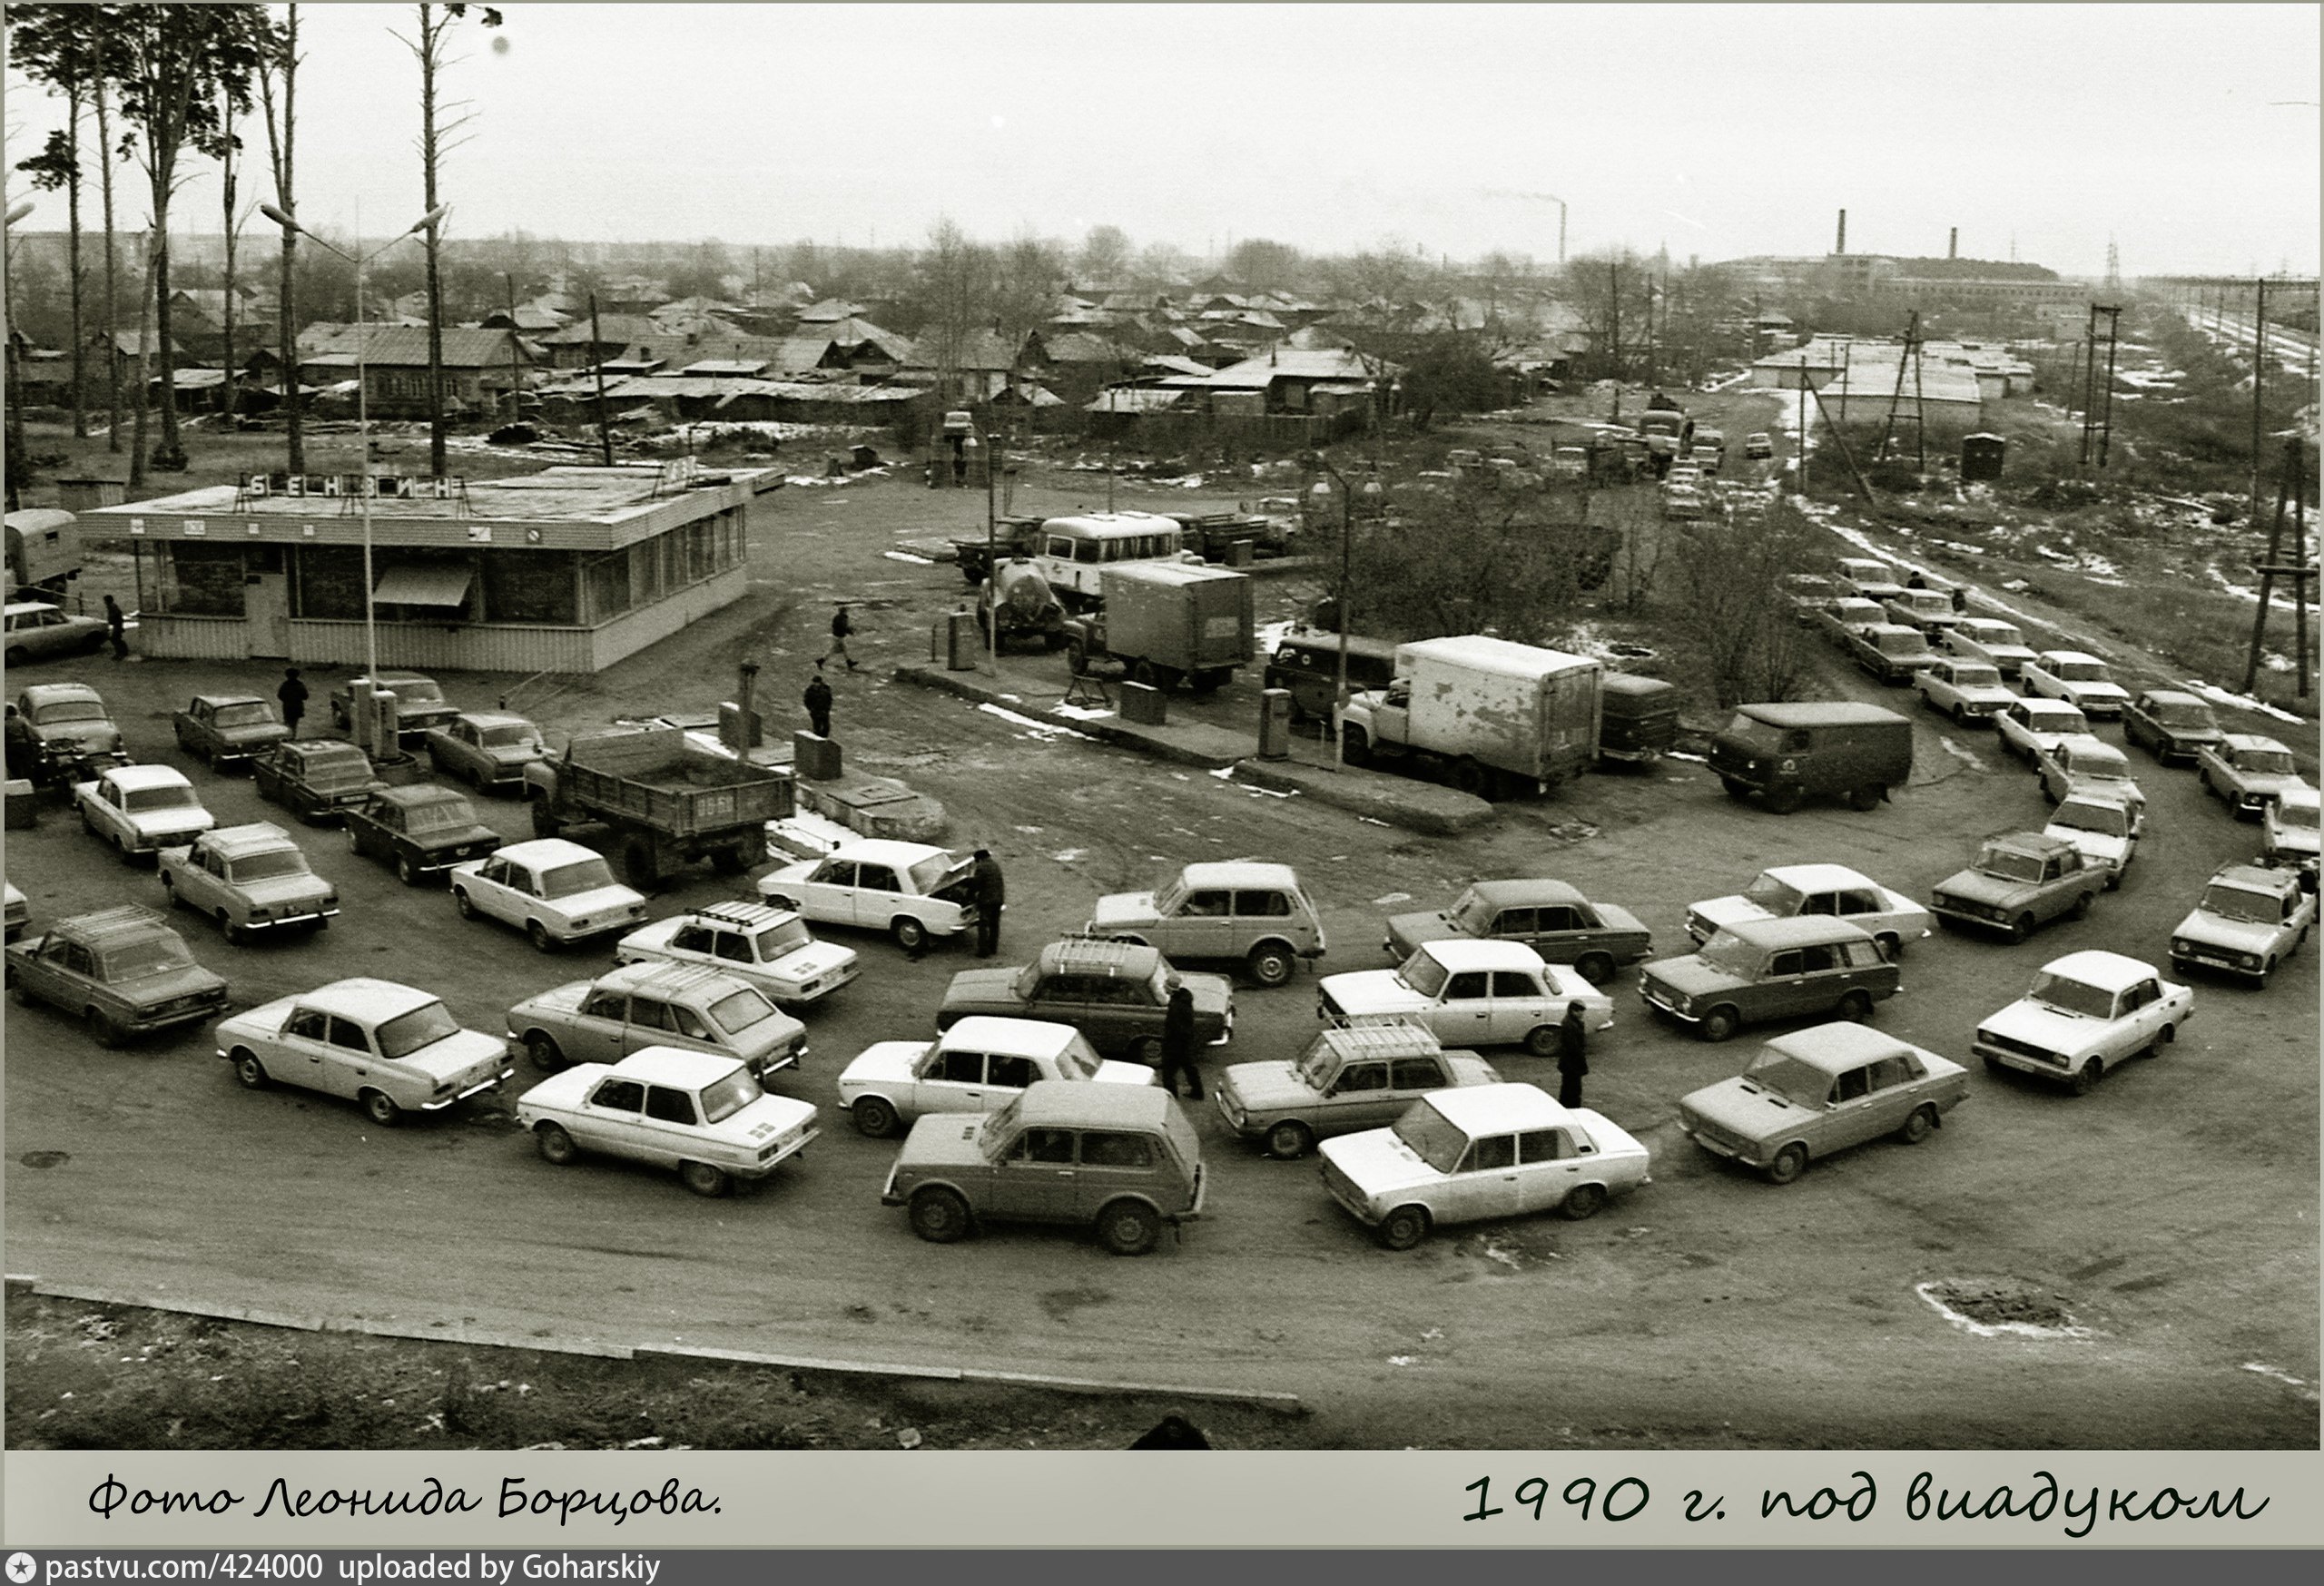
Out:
{"x": 482, "y": 368}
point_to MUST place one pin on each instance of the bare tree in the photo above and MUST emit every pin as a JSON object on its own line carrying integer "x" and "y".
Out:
{"x": 1727, "y": 599}
{"x": 59, "y": 46}
{"x": 1104, "y": 257}
{"x": 435, "y": 141}
{"x": 951, "y": 295}
{"x": 277, "y": 87}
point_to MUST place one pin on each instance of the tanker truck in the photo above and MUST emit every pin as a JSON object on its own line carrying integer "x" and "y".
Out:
{"x": 1027, "y": 611}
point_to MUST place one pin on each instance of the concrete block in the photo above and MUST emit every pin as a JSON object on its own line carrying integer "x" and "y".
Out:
{"x": 816, "y": 758}
{"x": 23, "y": 804}
{"x": 1146, "y": 707}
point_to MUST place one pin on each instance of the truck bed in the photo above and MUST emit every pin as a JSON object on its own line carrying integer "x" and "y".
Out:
{"x": 652, "y": 779}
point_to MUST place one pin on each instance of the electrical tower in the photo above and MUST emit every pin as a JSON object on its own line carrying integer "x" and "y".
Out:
{"x": 2097, "y": 398}
{"x": 2114, "y": 268}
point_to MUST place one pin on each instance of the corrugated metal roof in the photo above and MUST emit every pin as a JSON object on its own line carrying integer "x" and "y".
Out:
{"x": 726, "y": 366}
{"x": 1134, "y": 400}
{"x": 403, "y": 347}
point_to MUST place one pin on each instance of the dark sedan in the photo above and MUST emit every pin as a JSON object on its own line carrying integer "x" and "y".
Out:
{"x": 316, "y": 779}
{"x": 422, "y": 831}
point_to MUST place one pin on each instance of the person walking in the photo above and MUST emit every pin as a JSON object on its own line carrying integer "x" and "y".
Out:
{"x": 1573, "y": 1036}
{"x": 841, "y": 627}
{"x": 992, "y": 895}
{"x": 1178, "y": 1045}
{"x": 293, "y": 696}
{"x": 818, "y": 701}
{"x": 117, "y": 620}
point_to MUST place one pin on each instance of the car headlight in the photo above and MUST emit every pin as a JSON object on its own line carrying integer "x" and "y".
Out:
{"x": 2249, "y": 960}
{"x": 2181, "y": 947}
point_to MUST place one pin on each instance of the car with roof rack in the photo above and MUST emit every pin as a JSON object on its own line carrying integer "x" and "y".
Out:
{"x": 316, "y": 779}
{"x": 227, "y": 729}
{"x": 1820, "y": 1090}
{"x": 1349, "y": 1077}
{"x": 978, "y": 1064}
{"x": 488, "y": 750}
{"x": 2078, "y": 677}
{"x": 1783, "y": 891}
{"x": 770, "y": 949}
{"x": 2248, "y": 919}
{"x": 552, "y": 889}
{"x": 1758, "y": 970}
{"x": 142, "y": 810}
{"x": 2019, "y": 881}
{"x": 909, "y": 889}
{"x": 2000, "y": 645}
{"x": 1252, "y": 914}
{"x": 1469, "y": 993}
{"x": 121, "y": 971}
{"x": 249, "y": 878}
{"x": 2171, "y": 724}
{"x": 634, "y": 1006}
{"x": 700, "y": 1113}
{"x": 1552, "y": 916}
{"x": 2088, "y": 1012}
{"x": 1114, "y": 992}
{"x": 422, "y": 830}
{"x": 2247, "y": 771}
{"x": 392, "y": 1049}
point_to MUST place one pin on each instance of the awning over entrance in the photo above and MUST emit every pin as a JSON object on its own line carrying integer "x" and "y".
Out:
{"x": 429, "y": 585}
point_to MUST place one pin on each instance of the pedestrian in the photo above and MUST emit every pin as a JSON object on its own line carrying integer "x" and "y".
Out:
{"x": 1960, "y": 599}
{"x": 841, "y": 626}
{"x": 818, "y": 701}
{"x": 1178, "y": 1045}
{"x": 293, "y": 696}
{"x": 1573, "y": 1036}
{"x": 992, "y": 895}
{"x": 116, "y": 620}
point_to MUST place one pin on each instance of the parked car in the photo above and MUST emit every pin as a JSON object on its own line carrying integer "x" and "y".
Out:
{"x": 391, "y": 1048}
{"x": 1820, "y": 1090}
{"x": 36, "y": 631}
{"x": 2288, "y": 832}
{"x": 2102, "y": 825}
{"x": 227, "y": 729}
{"x": 1476, "y": 1153}
{"x": 1114, "y": 992}
{"x": 1760, "y": 970}
{"x": 1469, "y": 993}
{"x": 250, "y": 879}
{"x": 1122, "y": 1159}
{"x": 1841, "y": 618}
{"x": 2170, "y": 724}
{"x": 909, "y": 890}
{"x": 1551, "y": 917}
{"x": 142, "y": 809}
{"x": 2247, "y": 771}
{"x": 632, "y": 1007}
{"x": 1871, "y": 578}
{"x": 1758, "y": 444}
{"x": 2248, "y": 920}
{"x": 420, "y": 705}
{"x": 976, "y": 1064}
{"x": 1256, "y": 915}
{"x": 1967, "y": 691}
{"x": 2088, "y": 1012}
{"x": 1349, "y": 1077}
{"x": 422, "y": 830}
{"x": 1989, "y": 639}
{"x": 768, "y": 948}
{"x": 62, "y": 732}
{"x": 121, "y": 971}
{"x": 1784, "y": 891}
{"x": 2029, "y": 728}
{"x": 316, "y": 779}
{"x": 1928, "y": 611}
{"x": 554, "y": 890}
{"x": 2081, "y": 762}
{"x": 2018, "y": 881}
{"x": 1809, "y": 592}
{"x": 1681, "y": 501}
{"x": 697, "y": 1112}
{"x": 19, "y": 913}
{"x": 1308, "y": 663}
{"x": 486, "y": 749}
{"x": 1784, "y": 752}
{"x": 1569, "y": 462}
{"x": 1888, "y": 651}
{"x": 2080, "y": 679}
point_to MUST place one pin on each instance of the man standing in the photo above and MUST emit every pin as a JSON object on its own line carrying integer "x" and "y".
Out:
{"x": 818, "y": 700}
{"x": 1178, "y": 1045}
{"x": 841, "y": 626}
{"x": 1573, "y": 1036}
{"x": 293, "y": 696}
{"x": 116, "y": 621}
{"x": 992, "y": 894}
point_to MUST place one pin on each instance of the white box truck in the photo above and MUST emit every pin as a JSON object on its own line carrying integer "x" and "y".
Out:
{"x": 1168, "y": 622}
{"x": 1495, "y": 718}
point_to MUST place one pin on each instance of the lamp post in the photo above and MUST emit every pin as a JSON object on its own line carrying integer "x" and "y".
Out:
{"x": 362, "y": 401}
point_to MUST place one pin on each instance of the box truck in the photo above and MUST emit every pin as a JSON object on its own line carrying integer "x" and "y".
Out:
{"x": 1496, "y": 718}
{"x": 1167, "y": 622}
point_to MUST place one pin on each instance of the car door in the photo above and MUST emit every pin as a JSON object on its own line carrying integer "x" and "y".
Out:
{"x": 45, "y": 975}
{"x": 303, "y": 1054}
{"x": 99, "y": 803}
{"x": 1520, "y": 1003}
{"x": 1361, "y": 1097}
{"x": 654, "y": 1022}
{"x": 1825, "y": 977}
{"x": 1117, "y": 1162}
{"x": 598, "y": 1031}
{"x": 1463, "y": 1015}
{"x": 1035, "y": 1178}
{"x": 1854, "y": 1115}
{"x": 1488, "y": 1183}
{"x": 669, "y": 1128}
{"x": 612, "y": 1117}
{"x": 1202, "y": 926}
{"x": 875, "y": 902}
{"x": 1518, "y": 925}
{"x": 1549, "y": 1163}
{"x": 1116, "y": 1013}
{"x": 951, "y": 1080}
{"x": 1894, "y": 1092}
{"x": 2141, "y": 1013}
{"x": 828, "y": 893}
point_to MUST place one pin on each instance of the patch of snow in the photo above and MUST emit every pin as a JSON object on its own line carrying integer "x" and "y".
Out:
{"x": 2238, "y": 701}
{"x": 1224, "y": 774}
{"x": 908, "y": 557}
{"x": 1966, "y": 756}
{"x": 1048, "y": 732}
{"x": 1068, "y": 855}
{"x": 1966, "y": 550}
{"x": 2277, "y": 1372}
{"x": 2276, "y": 602}
{"x": 1079, "y": 713}
{"x": 1682, "y": 754}
{"x": 1391, "y": 898}
{"x": 1270, "y": 634}
{"x": 1994, "y": 1329}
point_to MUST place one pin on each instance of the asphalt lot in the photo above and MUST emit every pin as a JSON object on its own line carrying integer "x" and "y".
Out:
{"x": 2165, "y": 1221}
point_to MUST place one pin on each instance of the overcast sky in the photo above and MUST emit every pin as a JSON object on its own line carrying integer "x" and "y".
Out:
{"x": 2188, "y": 134}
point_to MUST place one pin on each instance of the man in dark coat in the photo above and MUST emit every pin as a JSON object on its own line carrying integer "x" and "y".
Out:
{"x": 841, "y": 626}
{"x": 116, "y": 620}
{"x": 293, "y": 696}
{"x": 1178, "y": 1045}
{"x": 818, "y": 701}
{"x": 1573, "y": 1036}
{"x": 992, "y": 894}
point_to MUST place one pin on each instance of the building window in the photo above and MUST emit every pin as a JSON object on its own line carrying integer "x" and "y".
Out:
{"x": 607, "y": 578}
{"x": 529, "y": 586}
{"x": 201, "y": 580}
{"x": 645, "y": 571}
{"x": 328, "y": 584}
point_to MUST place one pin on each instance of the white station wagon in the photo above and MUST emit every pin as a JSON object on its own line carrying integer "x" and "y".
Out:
{"x": 393, "y": 1048}
{"x": 1785, "y": 891}
{"x": 142, "y": 809}
{"x": 2088, "y": 1012}
{"x": 2078, "y": 678}
{"x": 553, "y": 891}
{"x": 1478, "y": 1152}
{"x": 768, "y": 948}
{"x": 981, "y": 1064}
{"x": 1989, "y": 639}
{"x": 699, "y": 1113}
{"x": 1470, "y": 993}
{"x": 2028, "y": 727}
{"x": 909, "y": 890}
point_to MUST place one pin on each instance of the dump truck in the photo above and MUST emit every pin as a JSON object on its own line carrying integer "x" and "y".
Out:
{"x": 1013, "y": 535}
{"x": 1167, "y": 622}
{"x": 1495, "y": 718}
{"x": 666, "y": 801}
{"x": 1028, "y": 612}
{"x": 1216, "y": 533}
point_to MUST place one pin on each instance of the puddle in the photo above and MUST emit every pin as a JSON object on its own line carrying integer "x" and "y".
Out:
{"x": 1061, "y": 1302}
{"x": 45, "y": 1158}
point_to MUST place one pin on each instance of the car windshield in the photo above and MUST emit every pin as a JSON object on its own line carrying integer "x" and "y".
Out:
{"x": 330, "y": 772}
{"x": 1790, "y": 1078}
{"x": 151, "y": 955}
{"x": 71, "y": 710}
{"x": 2062, "y": 723}
{"x": 1000, "y": 1130}
{"x": 1168, "y": 898}
{"x": 786, "y": 938}
{"x": 249, "y": 713}
{"x": 723, "y": 1098}
{"x": 2083, "y": 671}
{"x": 1977, "y": 676}
{"x": 1901, "y": 644}
{"x": 928, "y": 874}
{"x": 2085, "y": 815}
{"x": 1729, "y": 953}
{"x": 1755, "y": 734}
{"x": 2009, "y": 865}
{"x": 740, "y": 1010}
{"x": 2240, "y": 903}
{"x": 1472, "y": 914}
{"x": 1776, "y": 896}
{"x": 2072, "y": 996}
{"x": 443, "y": 815}
{"x": 2184, "y": 713}
{"x": 142, "y": 798}
{"x": 1432, "y": 1136}
{"x": 1316, "y": 1064}
{"x": 2290, "y": 814}
{"x": 1424, "y": 974}
{"x": 513, "y": 735}
{"x": 407, "y": 690}
{"x": 267, "y": 866}
{"x": 2266, "y": 761}
{"x": 406, "y": 1034}
{"x": 570, "y": 881}
{"x": 1999, "y": 633}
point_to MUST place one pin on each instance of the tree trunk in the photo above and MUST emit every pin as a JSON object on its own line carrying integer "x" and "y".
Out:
{"x": 113, "y": 274}
{"x": 144, "y": 366}
{"x": 429, "y": 33}
{"x": 226, "y": 310}
{"x": 170, "y": 456}
{"x": 73, "y": 246}
{"x": 282, "y": 144}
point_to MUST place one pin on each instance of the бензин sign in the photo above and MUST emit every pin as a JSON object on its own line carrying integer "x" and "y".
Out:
{"x": 383, "y": 487}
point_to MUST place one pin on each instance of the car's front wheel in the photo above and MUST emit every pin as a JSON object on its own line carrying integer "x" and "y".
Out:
{"x": 1130, "y": 1228}
{"x": 939, "y": 1215}
{"x": 2086, "y": 1079}
{"x": 541, "y": 1050}
{"x": 354, "y": 842}
{"x": 1719, "y": 1024}
{"x": 1789, "y": 1164}
{"x": 381, "y": 1108}
{"x": 704, "y": 1179}
{"x": 555, "y": 1145}
{"x": 466, "y": 905}
{"x": 874, "y": 1116}
{"x": 1404, "y": 1227}
{"x": 1289, "y": 1141}
{"x": 249, "y": 1072}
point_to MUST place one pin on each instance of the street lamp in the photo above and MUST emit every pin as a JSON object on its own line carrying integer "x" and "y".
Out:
{"x": 362, "y": 403}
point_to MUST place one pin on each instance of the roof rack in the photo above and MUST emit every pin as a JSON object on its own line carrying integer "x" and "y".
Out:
{"x": 95, "y": 929}
{"x": 749, "y": 916}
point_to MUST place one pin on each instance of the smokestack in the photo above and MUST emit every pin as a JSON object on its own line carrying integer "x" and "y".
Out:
{"x": 1842, "y": 245}
{"x": 1953, "y": 243}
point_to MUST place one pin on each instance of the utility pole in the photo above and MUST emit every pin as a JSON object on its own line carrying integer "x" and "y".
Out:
{"x": 2259, "y": 357}
{"x": 2089, "y": 373}
{"x": 516, "y": 376}
{"x": 598, "y": 360}
{"x": 1614, "y": 329}
{"x": 2293, "y": 484}
{"x": 2106, "y": 413}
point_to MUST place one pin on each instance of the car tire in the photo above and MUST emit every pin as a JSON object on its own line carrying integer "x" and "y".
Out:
{"x": 2086, "y": 1079}
{"x": 1289, "y": 1141}
{"x": 1404, "y": 1227}
{"x": 2114, "y": 880}
{"x": 1129, "y": 1227}
{"x": 1719, "y": 1024}
{"x": 938, "y": 1215}
{"x": 910, "y": 933}
{"x": 101, "y": 1027}
{"x": 1866, "y": 799}
{"x": 381, "y": 1108}
{"x": 249, "y": 1072}
{"x": 405, "y": 871}
{"x": 1857, "y": 1008}
{"x": 2023, "y": 926}
{"x": 1918, "y": 1126}
{"x": 1891, "y": 946}
{"x": 705, "y": 1180}
{"x": 2163, "y": 1037}
{"x": 1789, "y": 1164}
{"x": 1541, "y": 1042}
{"x": 1735, "y": 789}
{"x": 1584, "y": 1201}
{"x": 554, "y": 1145}
{"x": 1355, "y": 748}
{"x": 234, "y": 934}
{"x": 1597, "y": 968}
{"x": 1272, "y": 965}
{"x": 1782, "y": 801}
{"x": 1993, "y": 1065}
{"x": 537, "y": 934}
{"x": 1147, "y": 1050}
{"x": 354, "y": 842}
{"x": 874, "y": 1116}
{"x": 732, "y": 860}
{"x": 542, "y": 1052}
{"x": 777, "y": 900}
{"x": 18, "y": 657}
{"x": 2081, "y": 909}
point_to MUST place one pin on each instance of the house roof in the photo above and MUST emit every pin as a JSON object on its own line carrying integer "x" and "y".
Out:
{"x": 830, "y": 310}
{"x": 610, "y": 329}
{"x": 801, "y": 352}
{"x": 1082, "y": 346}
{"x": 852, "y": 333}
{"x": 1256, "y": 374}
{"x": 978, "y": 350}
{"x": 402, "y": 346}
{"x": 1134, "y": 400}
